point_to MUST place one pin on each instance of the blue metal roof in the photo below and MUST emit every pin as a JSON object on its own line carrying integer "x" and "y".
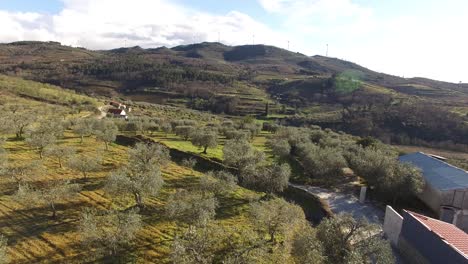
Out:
{"x": 437, "y": 173}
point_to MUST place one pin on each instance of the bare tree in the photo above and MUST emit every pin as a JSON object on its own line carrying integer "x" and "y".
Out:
{"x": 59, "y": 152}
{"x": 111, "y": 230}
{"x": 50, "y": 194}
{"x": 85, "y": 163}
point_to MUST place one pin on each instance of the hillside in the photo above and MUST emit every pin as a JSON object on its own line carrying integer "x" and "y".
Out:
{"x": 250, "y": 80}
{"x": 214, "y": 62}
{"x": 80, "y": 188}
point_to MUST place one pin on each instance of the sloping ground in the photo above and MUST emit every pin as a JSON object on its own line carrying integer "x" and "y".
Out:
{"x": 34, "y": 237}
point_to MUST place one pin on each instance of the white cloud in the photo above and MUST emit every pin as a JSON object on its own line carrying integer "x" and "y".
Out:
{"x": 104, "y": 24}
{"x": 403, "y": 45}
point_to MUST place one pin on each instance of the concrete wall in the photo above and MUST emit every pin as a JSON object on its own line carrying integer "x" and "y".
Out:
{"x": 410, "y": 253}
{"x": 461, "y": 220}
{"x": 421, "y": 245}
{"x": 432, "y": 198}
{"x": 392, "y": 225}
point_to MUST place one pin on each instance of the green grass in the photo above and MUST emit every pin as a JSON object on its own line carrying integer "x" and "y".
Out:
{"x": 33, "y": 237}
{"x": 46, "y": 92}
{"x": 176, "y": 142}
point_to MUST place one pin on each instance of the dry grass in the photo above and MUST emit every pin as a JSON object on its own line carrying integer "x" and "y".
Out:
{"x": 35, "y": 237}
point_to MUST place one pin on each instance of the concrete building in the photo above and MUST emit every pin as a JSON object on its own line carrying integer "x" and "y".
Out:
{"x": 422, "y": 239}
{"x": 445, "y": 190}
{"x": 119, "y": 113}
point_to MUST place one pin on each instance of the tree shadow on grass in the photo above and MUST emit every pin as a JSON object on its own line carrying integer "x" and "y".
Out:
{"x": 33, "y": 222}
{"x": 229, "y": 206}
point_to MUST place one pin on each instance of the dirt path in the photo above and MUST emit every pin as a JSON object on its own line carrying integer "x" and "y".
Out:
{"x": 103, "y": 111}
{"x": 346, "y": 203}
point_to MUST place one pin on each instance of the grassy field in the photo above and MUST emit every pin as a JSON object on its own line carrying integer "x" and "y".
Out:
{"x": 35, "y": 237}
{"x": 176, "y": 142}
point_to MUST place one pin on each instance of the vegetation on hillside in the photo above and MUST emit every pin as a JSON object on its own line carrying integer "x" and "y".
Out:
{"x": 81, "y": 200}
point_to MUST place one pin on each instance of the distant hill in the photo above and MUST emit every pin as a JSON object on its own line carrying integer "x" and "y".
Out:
{"x": 202, "y": 70}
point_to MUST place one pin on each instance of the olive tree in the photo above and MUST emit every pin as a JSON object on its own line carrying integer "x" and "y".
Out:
{"x": 268, "y": 178}
{"x": 277, "y": 218}
{"x": 184, "y": 131}
{"x": 307, "y": 248}
{"x": 217, "y": 182}
{"x": 22, "y": 172}
{"x": 323, "y": 163}
{"x": 85, "y": 163}
{"x": 196, "y": 245}
{"x": 18, "y": 120}
{"x": 137, "y": 183}
{"x": 44, "y": 135}
{"x": 408, "y": 182}
{"x": 191, "y": 207}
{"x": 141, "y": 176}
{"x": 346, "y": 240}
{"x": 49, "y": 194}
{"x": 111, "y": 230}
{"x": 145, "y": 156}
{"x": 166, "y": 127}
{"x": 59, "y": 152}
{"x": 189, "y": 163}
{"x": 381, "y": 170}
{"x": 106, "y": 131}
{"x": 205, "y": 139}
{"x": 241, "y": 154}
{"x": 280, "y": 148}
{"x": 83, "y": 127}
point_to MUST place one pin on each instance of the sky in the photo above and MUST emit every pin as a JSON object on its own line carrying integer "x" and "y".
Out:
{"x": 409, "y": 38}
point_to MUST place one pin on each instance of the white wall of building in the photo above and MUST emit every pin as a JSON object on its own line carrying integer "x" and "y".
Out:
{"x": 392, "y": 225}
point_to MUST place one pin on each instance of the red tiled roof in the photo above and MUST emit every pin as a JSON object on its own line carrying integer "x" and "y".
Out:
{"x": 454, "y": 236}
{"x": 115, "y": 111}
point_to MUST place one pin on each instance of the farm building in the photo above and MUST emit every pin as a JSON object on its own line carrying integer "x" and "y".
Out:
{"x": 445, "y": 190}
{"x": 421, "y": 239}
{"x": 120, "y": 113}
{"x": 118, "y": 105}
